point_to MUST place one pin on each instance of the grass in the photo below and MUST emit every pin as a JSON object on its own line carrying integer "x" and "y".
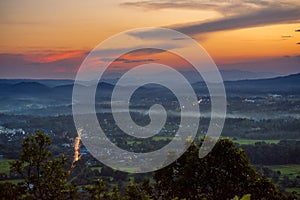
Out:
{"x": 133, "y": 142}
{"x": 158, "y": 138}
{"x": 290, "y": 170}
{"x": 4, "y": 165}
{"x": 294, "y": 190}
{"x": 14, "y": 181}
{"x": 97, "y": 168}
{"x": 129, "y": 169}
{"x": 246, "y": 141}
{"x": 239, "y": 141}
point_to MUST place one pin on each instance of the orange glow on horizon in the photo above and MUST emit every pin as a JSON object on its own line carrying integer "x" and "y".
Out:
{"x": 52, "y": 56}
{"x": 253, "y": 43}
{"x": 133, "y": 59}
{"x": 44, "y": 32}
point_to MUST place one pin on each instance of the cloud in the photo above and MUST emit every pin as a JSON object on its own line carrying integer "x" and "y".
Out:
{"x": 151, "y": 51}
{"x": 52, "y": 56}
{"x": 165, "y": 39}
{"x": 280, "y": 65}
{"x": 286, "y": 36}
{"x": 124, "y": 60}
{"x": 57, "y": 63}
{"x": 117, "y": 67}
{"x": 224, "y": 7}
{"x": 292, "y": 56}
{"x": 298, "y": 43}
{"x": 167, "y": 4}
{"x": 275, "y": 15}
{"x": 15, "y": 66}
{"x": 237, "y": 14}
{"x": 140, "y": 50}
{"x": 33, "y": 66}
{"x": 297, "y": 30}
{"x": 179, "y": 38}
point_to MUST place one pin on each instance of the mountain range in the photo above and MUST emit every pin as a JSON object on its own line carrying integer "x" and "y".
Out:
{"x": 55, "y": 88}
{"x": 52, "y": 97}
{"x": 227, "y": 75}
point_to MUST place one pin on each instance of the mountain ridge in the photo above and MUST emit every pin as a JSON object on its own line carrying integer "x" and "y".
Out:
{"x": 282, "y": 83}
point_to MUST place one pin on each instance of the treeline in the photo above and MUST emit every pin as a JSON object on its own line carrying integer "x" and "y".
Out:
{"x": 266, "y": 129}
{"x": 234, "y": 127}
{"x": 285, "y": 152}
{"x": 281, "y": 180}
{"x": 260, "y": 153}
{"x": 225, "y": 173}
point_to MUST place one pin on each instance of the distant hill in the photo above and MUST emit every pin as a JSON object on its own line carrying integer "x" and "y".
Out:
{"x": 234, "y": 75}
{"x": 36, "y": 89}
{"x": 284, "y": 84}
{"x": 281, "y": 80}
{"x": 26, "y": 88}
{"x": 227, "y": 75}
{"x": 47, "y": 82}
{"x": 28, "y": 97}
{"x": 106, "y": 86}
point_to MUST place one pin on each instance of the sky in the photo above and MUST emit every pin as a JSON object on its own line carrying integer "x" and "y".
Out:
{"x": 51, "y": 38}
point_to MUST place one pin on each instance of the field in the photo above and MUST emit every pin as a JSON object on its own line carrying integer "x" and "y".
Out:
{"x": 4, "y": 168}
{"x": 290, "y": 170}
{"x": 246, "y": 141}
{"x": 4, "y": 165}
{"x": 294, "y": 190}
{"x": 14, "y": 181}
{"x": 97, "y": 168}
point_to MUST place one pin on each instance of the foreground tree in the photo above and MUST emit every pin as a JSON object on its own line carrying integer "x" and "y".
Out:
{"x": 136, "y": 192}
{"x": 44, "y": 177}
{"x": 98, "y": 190}
{"x": 223, "y": 174}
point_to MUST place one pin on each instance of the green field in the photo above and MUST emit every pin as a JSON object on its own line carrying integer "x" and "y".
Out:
{"x": 239, "y": 141}
{"x": 14, "y": 181}
{"x": 129, "y": 169}
{"x": 133, "y": 142}
{"x": 157, "y": 138}
{"x": 4, "y": 168}
{"x": 4, "y": 165}
{"x": 290, "y": 170}
{"x": 97, "y": 168}
{"x": 294, "y": 190}
{"x": 246, "y": 141}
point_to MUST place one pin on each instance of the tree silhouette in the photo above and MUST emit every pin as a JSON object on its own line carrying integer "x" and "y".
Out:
{"x": 223, "y": 174}
{"x": 44, "y": 178}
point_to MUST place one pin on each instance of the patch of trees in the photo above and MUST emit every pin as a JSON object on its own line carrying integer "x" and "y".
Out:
{"x": 285, "y": 152}
{"x": 234, "y": 127}
{"x": 11, "y": 147}
{"x": 223, "y": 173}
{"x": 267, "y": 129}
{"x": 53, "y": 124}
{"x": 281, "y": 180}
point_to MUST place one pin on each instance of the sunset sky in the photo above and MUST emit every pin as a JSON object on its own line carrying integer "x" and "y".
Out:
{"x": 50, "y": 38}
